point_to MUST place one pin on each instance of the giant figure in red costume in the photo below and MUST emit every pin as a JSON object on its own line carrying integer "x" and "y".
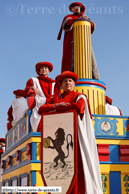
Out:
{"x": 67, "y": 25}
{"x": 42, "y": 89}
{"x": 89, "y": 178}
{"x": 43, "y": 82}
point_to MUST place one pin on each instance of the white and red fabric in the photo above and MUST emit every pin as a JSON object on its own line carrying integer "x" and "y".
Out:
{"x": 89, "y": 153}
{"x": 112, "y": 110}
{"x": 39, "y": 101}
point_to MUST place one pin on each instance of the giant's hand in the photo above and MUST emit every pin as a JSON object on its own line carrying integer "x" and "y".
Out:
{"x": 62, "y": 104}
{"x": 36, "y": 90}
{"x": 85, "y": 16}
{"x": 2, "y": 144}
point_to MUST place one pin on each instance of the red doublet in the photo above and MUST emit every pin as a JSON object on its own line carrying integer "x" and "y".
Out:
{"x": 1, "y": 152}
{"x": 46, "y": 86}
{"x": 68, "y": 38}
{"x": 69, "y": 97}
{"x": 45, "y": 83}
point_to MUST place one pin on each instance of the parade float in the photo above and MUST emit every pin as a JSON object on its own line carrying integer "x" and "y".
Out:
{"x": 25, "y": 161}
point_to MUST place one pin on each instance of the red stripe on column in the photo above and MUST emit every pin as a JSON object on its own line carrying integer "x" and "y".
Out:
{"x": 88, "y": 94}
{"x": 93, "y": 102}
{"x": 89, "y": 30}
{"x": 79, "y": 56}
{"x": 82, "y": 51}
{"x": 85, "y": 49}
{"x": 77, "y": 50}
{"x": 98, "y": 101}
{"x": 75, "y": 54}
{"x": 87, "y": 52}
{"x": 102, "y": 103}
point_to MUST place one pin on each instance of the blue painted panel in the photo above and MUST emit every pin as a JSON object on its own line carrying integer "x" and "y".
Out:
{"x": 33, "y": 178}
{"x": 110, "y": 116}
{"x": 20, "y": 156}
{"x": 114, "y": 153}
{"x": 103, "y": 162}
{"x": 29, "y": 125}
{"x": 105, "y": 126}
{"x": 115, "y": 182}
{"x": 34, "y": 151}
{"x": 111, "y": 137}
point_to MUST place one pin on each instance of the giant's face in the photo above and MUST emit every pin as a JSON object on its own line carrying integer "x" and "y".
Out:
{"x": 68, "y": 84}
{"x": 76, "y": 9}
{"x": 44, "y": 71}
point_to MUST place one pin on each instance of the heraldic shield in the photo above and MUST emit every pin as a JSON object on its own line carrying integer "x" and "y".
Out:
{"x": 59, "y": 150}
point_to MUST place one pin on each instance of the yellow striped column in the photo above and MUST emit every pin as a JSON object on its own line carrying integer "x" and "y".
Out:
{"x": 82, "y": 49}
{"x": 95, "y": 92}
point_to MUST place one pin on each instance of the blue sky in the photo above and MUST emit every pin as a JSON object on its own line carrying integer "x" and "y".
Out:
{"x": 28, "y": 35}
